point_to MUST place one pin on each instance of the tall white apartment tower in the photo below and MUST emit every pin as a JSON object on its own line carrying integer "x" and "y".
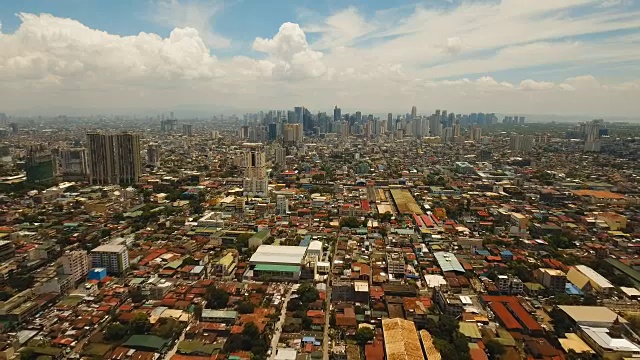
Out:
{"x": 255, "y": 180}
{"x": 282, "y": 205}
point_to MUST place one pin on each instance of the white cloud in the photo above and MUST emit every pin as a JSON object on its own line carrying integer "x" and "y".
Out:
{"x": 291, "y": 54}
{"x": 454, "y": 45}
{"x": 45, "y": 45}
{"x": 194, "y": 14}
{"x": 612, "y": 3}
{"x": 340, "y": 29}
{"x": 56, "y": 61}
{"x": 533, "y": 85}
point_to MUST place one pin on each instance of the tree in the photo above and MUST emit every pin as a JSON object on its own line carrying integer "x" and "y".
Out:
{"x": 140, "y": 324}
{"x": 27, "y": 354}
{"x": 115, "y": 332}
{"x": 168, "y": 328}
{"x": 136, "y": 295}
{"x": 308, "y": 293}
{"x": 197, "y": 311}
{"x": 245, "y": 307}
{"x": 364, "y": 335}
{"x": 349, "y": 222}
{"x": 217, "y": 298}
{"x": 495, "y": 349}
{"x": 5, "y": 295}
{"x": 189, "y": 260}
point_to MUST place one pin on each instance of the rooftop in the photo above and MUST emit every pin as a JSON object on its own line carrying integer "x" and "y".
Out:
{"x": 401, "y": 340}
{"x": 278, "y": 254}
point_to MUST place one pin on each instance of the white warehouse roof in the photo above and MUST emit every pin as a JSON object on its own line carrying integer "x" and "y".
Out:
{"x": 594, "y": 276}
{"x": 274, "y": 254}
{"x": 315, "y": 245}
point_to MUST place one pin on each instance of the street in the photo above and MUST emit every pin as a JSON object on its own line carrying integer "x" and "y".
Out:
{"x": 174, "y": 349}
{"x": 327, "y": 311}
{"x": 278, "y": 327}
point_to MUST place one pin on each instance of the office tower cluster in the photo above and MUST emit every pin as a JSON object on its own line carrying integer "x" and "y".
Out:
{"x": 114, "y": 158}
{"x": 513, "y": 120}
{"x": 289, "y": 127}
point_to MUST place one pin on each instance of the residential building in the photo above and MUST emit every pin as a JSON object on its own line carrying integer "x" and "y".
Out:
{"x": 76, "y": 264}
{"x": 114, "y": 258}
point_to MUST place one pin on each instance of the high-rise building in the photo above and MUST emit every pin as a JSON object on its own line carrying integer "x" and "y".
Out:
{"x": 128, "y": 163}
{"x": 591, "y": 133}
{"x": 476, "y": 133}
{"x": 337, "y": 114}
{"x": 299, "y": 114}
{"x": 344, "y": 130}
{"x": 293, "y": 133}
{"x": 281, "y": 155}
{"x": 447, "y": 135}
{"x": 114, "y": 158}
{"x": 282, "y": 205}
{"x": 73, "y": 162}
{"x": 255, "y": 180}
{"x": 153, "y": 154}
{"x": 187, "y": 130}
{"x": 76, "y": 264}
{"x": 114, "y": 258}
{"x": 414, "y": 112}
{"x": 40, "y": 164}
{"x": 521, "y": 143}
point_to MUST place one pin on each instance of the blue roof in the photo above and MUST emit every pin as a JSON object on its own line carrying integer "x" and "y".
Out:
{"x": 506, "y": 252}
{"x": 306, "y": 241}
{"x": 571, "y": 289}
{"x": 482, "y": 252}
{"x": 309, "y": 339}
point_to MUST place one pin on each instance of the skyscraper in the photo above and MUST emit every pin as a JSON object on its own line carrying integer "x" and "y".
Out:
{"x": 114, "y": 159}
{"x": 153, "y": 154}
{"x": 414, "y": 112}
{"x": 299, "y": 111}
{"x": 337, "y": 114}
{"x": 255, "y": 180}
{"x": 73, "y": 162}
{"x": 40, "y": 164}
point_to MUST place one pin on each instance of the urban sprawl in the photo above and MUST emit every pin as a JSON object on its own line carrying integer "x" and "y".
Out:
{"x": 288, "y": 235}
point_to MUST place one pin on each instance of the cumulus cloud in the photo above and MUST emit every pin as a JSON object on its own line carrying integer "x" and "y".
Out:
{"x": 533, "y": 85}
{"x": 45, "y": 46}
{"x": 290, "y": 53}
{"x": 192, "y": 14}
{"x": 53, "y": 61}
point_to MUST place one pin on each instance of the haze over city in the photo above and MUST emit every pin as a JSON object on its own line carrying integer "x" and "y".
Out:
{"x": 577, "y": 57}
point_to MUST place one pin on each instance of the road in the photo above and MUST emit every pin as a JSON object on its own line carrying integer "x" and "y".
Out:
{"x": 278, "y": 327}
{"x": 327, "y": 310}
{"x": 174, "y": 349}
{"x": 78, "y": 348}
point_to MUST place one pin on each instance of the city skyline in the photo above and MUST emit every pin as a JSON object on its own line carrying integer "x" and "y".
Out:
{"x": 567, "y": 58}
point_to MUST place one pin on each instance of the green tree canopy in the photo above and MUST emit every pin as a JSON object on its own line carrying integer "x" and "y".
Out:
{"x": 217, "y": 298}
{"x": 308, "y": 293}
{"x": 140, "y": 324}
{"x": 364, "y": 335}
{"x": 115, "y": 332}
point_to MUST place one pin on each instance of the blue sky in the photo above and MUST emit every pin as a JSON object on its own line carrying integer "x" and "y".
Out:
{"x": 517, "y": 54}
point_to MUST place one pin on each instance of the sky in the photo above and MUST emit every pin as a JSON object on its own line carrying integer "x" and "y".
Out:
{"x": 567, "y": 57}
